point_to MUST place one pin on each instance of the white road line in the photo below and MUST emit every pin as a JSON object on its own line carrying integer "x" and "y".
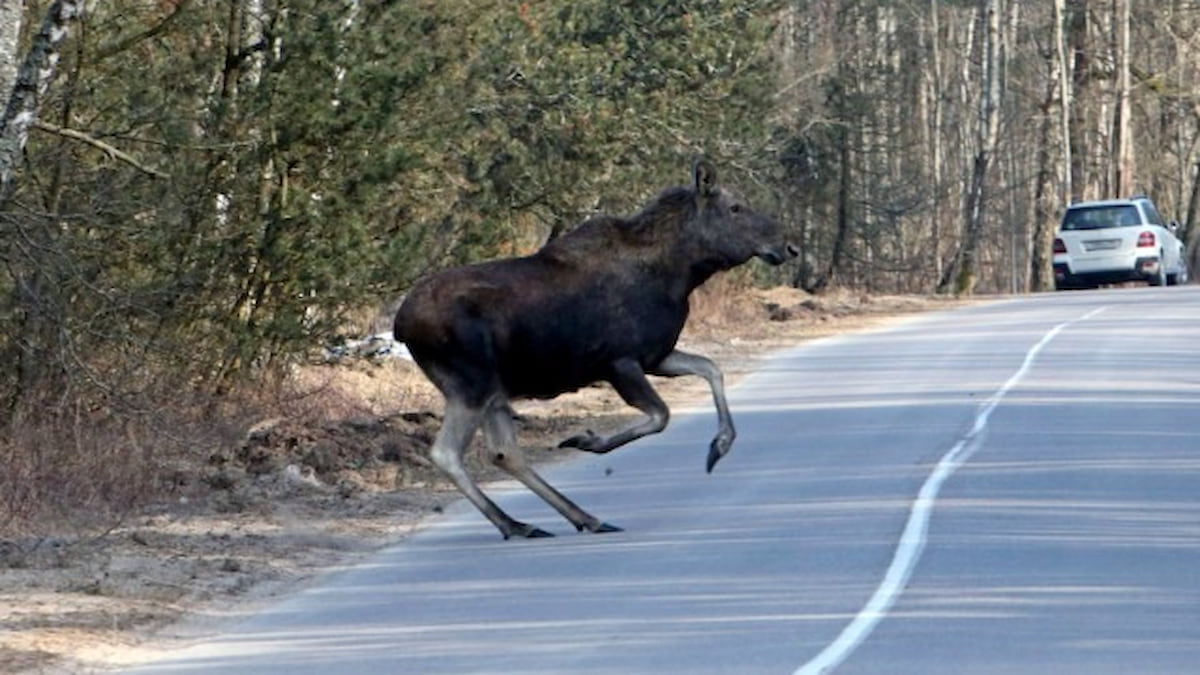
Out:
{"x": 912, "y": 539}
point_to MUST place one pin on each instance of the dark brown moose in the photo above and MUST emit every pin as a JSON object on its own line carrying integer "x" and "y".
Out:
{"x": 605, "y": 302}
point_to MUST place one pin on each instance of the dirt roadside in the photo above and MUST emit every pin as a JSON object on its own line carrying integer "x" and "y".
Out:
{"x": 300, "y": 496}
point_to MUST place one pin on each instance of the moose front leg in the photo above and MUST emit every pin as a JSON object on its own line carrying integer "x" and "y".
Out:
{"x": 682, "y": 363}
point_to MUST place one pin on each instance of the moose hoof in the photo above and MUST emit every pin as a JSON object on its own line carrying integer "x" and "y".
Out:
{"x": 527, "y": 532}
{"x": 588, "y": 442}
{"x": 598, "y": 528}
{"x": 714, "y": 456}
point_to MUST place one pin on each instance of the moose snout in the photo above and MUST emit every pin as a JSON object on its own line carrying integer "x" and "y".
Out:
{"x": 778, "y": 255}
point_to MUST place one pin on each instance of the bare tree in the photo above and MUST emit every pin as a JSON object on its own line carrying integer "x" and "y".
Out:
{"x": 1049, "y": 163}
{"x": 23, "y": 99}
{"x": 1064, "y": 97}
{"x": 1122, "y": 147}
{"x": 1083, "y": 106}
{"x": 937, "y": 159}
{"x": 961, "y": 276}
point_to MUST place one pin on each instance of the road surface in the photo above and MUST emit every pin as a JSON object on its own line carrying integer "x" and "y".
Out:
{"x": 1008, "y": 488}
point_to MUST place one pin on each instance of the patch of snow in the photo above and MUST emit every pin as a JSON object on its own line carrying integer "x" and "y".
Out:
{"x": 378, "y": 346}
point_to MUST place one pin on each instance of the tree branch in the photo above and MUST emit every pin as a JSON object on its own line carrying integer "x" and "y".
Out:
{"x": 100, "y": 145}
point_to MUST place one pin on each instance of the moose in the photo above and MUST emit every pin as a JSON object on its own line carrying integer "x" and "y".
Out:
{"x": 605, "y": 302}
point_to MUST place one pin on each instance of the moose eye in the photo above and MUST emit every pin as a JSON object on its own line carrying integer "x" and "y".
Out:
{"x": 736, "y": 208}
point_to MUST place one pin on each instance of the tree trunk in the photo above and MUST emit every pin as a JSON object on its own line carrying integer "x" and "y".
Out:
{"x": 10, "y": 36}
{"x": 34, "y": 309}
{"x": 937, "y": 154}
{"x": 841, "y": 237}
{"x": 1122, "y": 183}
{"x": 1191, "y": 232}
{"x": 962, "y": 273}
{"x": 1064, "y": 101}
{"x": 1045, "y": 200}
{"x": 32, "y": 79}
{"x": 1042, "y": 260}
{"x": 1081, "y": 99}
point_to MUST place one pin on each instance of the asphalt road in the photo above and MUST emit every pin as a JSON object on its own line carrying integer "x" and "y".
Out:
{"x": 1008, "y": 488}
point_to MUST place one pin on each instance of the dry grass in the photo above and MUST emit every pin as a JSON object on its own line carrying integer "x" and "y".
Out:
{"x": 365, "y": 388}
{"x": 725, "y": 306}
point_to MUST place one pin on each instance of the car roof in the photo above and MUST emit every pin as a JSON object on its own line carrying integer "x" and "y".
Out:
{"x": 1108, "y": 202}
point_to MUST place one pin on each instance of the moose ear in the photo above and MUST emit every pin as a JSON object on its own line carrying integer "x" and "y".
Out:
{"x": 704, "y": 178}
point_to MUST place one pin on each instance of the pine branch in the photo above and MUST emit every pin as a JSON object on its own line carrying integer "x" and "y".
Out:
{"x": 150, "y": 33}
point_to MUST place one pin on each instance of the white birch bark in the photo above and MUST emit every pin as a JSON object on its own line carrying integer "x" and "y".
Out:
{"x": 33, "y": 78}
{"x": 936, "y": 151}
{"x": 10, "y": 34}
{"x": 962, "y": 279}
{"x": 1064, "y": 98}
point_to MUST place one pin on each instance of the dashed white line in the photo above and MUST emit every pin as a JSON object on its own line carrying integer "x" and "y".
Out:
{"x": 912, "y": 539}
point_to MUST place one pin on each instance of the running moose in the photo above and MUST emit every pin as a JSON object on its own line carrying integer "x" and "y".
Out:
{"x": 604, "y": 302}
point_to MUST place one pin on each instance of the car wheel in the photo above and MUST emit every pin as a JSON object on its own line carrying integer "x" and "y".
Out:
{"x": 1160, "y": 277}
{"x": 1179, "y": 276}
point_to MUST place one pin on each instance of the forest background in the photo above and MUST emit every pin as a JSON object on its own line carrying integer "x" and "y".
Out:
{"x": 197, "y": 195}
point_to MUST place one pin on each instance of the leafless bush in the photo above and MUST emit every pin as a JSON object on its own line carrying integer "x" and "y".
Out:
{"x": 77, "y": 472}
{"x": 83, "y": 464}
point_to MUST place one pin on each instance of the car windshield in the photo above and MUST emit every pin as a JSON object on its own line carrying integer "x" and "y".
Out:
{"x": 1099, "y": 217}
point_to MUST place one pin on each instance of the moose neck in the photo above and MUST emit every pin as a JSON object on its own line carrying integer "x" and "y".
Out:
{"x": 683, "y": 269}
{"x": 703, "y": 269}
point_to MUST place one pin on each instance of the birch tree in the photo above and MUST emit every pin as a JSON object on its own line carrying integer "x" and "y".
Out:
{"x": 1052, "y": 133}
{"x": 30, "y": 79}
{"x": 31, "y": 345}
{"x": 961, "y": 277}
{"x": 1122, "y": 150}
{"x": 933, "y": 96}
{"x": 10, "y": 35}
{"x": 1063, "y": 70}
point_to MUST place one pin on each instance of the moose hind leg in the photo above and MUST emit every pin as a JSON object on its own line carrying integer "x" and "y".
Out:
{"x": 506, "y": 454}
{"x": 458, "y": 427}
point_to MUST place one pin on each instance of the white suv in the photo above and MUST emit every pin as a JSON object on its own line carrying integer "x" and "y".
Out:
{"x": 1117, "y": 240}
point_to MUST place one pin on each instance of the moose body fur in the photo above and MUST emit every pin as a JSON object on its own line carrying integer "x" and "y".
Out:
{"x": 604, "y": 302}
